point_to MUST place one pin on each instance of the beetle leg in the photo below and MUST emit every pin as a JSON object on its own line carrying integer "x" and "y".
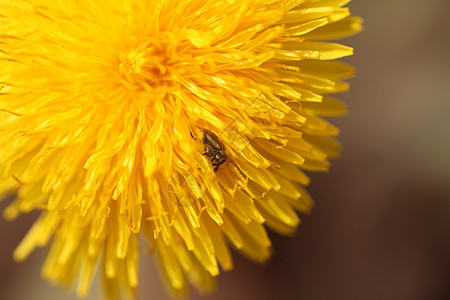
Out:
{"x": 193, "y": 136}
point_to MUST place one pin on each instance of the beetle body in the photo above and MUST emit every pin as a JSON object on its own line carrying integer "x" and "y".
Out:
{"x": 213, "y": 148}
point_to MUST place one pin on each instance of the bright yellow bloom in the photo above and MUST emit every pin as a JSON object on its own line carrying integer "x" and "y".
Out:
{"x": 98, "y": 101}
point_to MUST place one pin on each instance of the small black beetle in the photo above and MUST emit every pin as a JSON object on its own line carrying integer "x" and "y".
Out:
{"x": 213, "y": 148}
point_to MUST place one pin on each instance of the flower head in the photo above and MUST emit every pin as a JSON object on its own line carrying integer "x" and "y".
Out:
{"x": 189, "y": 121}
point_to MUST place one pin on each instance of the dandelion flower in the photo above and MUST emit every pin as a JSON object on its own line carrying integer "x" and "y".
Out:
{"x": 107, "y": 108}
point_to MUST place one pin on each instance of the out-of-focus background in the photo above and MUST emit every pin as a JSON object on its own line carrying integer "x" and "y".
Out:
{"x": 381, "y": 225}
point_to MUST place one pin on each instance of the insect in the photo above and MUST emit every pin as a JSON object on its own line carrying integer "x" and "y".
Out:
{"x": 213, "y": 148}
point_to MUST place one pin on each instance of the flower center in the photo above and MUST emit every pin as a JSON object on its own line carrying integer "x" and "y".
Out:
{"x": 142, "y": 66}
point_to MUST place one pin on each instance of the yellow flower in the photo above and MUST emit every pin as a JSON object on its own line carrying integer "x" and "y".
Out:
{"x": 107, "y": 106}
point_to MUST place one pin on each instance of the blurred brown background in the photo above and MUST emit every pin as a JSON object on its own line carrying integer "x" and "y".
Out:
{"x": 381, "y": 225}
